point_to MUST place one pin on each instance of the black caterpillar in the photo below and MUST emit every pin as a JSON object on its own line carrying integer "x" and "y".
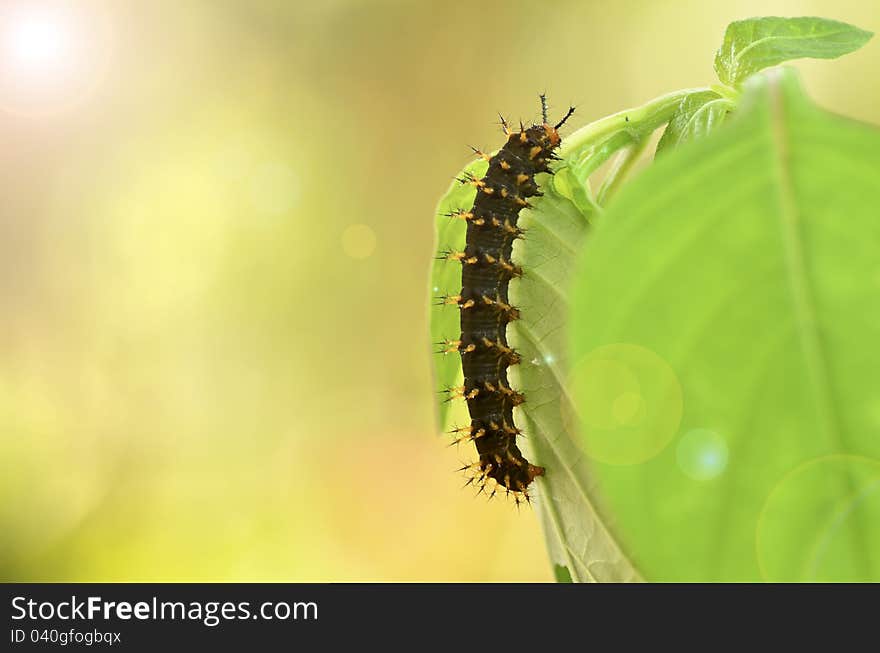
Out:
{"x": 487, "y": 269}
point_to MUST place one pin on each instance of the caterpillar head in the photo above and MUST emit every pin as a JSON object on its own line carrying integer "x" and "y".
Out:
{"x": 551, "y": 132}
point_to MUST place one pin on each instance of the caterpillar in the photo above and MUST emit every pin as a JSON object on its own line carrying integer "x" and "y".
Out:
{"x": 485, "y": 309}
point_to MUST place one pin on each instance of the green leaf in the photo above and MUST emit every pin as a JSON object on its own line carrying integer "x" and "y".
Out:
{"x": 577, "y": 534}
{"x": 561, "y": 574}
{"x": 697, "y": 116}
{"x": 757, "y": 43}
{"x": 446, "y": 280}
{"x": 724, "y": 330}
{"x": 568, "y": 183}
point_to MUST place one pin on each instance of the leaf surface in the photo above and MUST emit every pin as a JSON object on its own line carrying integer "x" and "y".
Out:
{"x": 697, "y": 116}
{"x": 723, "y": 337}
{"x": 581, "y": 546}
{"x": 757, "y": 43}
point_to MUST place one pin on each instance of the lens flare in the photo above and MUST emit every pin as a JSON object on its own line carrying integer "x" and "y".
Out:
{"x": 38, "y": 41}
{"x": 52, "y": 56}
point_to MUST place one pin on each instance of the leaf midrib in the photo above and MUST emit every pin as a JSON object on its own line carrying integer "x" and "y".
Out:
{"x": 798, "y": 279}
{"x": 543, "y": 433}
{"x": 802, "y": 291}
{"x": 703, "y": 109}
{"x": 570, "y": 556}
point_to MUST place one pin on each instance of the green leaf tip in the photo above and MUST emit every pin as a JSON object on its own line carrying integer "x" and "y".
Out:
{"x": 698, "y": 115}
{"x": 756, "y": 43}
{"x": 562, "y": 574}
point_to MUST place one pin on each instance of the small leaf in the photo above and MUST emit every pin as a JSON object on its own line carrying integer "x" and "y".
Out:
{"x": 699, "y": 114}
{"x": 757, "y": 43}
{"x": 561, "y": 573}
{"x": 567, "y": 184}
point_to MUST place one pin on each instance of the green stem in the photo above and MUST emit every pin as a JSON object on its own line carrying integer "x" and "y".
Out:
{"x": 727, "y": 92}
{"x": 638, "y": 121}
{"x": 622, "y": 165}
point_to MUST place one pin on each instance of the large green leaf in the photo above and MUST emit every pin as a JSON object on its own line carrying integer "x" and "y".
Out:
{"x": 757, "y": 43}
{"x": 725, "y": 323}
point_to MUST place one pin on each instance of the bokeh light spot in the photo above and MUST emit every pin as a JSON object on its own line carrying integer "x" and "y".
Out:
{"x": 702, "y": 454}
{"x": 628, "y": 408}
{"x": 821, "y": 523}
{"x": 274, "y": 189}
{"x": 358, "y": 241}
{"x": 628, "y": 403}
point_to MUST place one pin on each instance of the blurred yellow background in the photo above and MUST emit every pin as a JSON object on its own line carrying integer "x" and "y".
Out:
{"x": 215, "y": 230}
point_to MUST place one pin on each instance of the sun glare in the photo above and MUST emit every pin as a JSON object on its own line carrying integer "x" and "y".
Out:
{"x": 52, "y": 55}
{"x": 38, "y": 42}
